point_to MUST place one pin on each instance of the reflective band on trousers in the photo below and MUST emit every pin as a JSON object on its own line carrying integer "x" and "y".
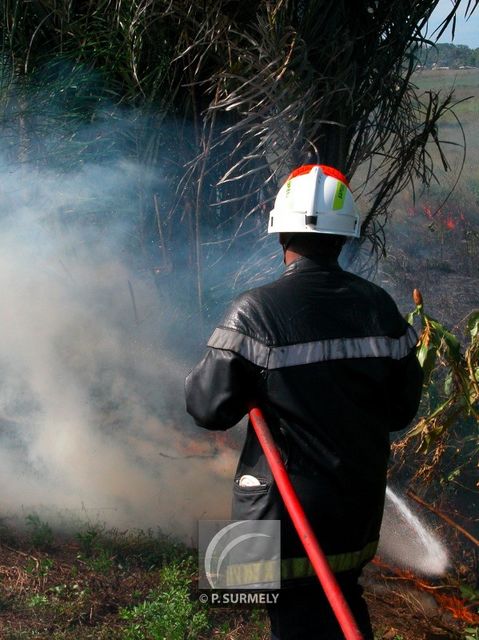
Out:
{"x": 294, "y": 568}
{"x": 265, "y": 572}
{"x": 292, "y": 355}
{"x": 301, "y": 567}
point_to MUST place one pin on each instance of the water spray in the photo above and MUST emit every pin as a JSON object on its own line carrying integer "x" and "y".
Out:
{"x": 407, "y": 541}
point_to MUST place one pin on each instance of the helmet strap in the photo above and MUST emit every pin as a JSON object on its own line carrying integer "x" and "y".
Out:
{"x": 285, "y": 242}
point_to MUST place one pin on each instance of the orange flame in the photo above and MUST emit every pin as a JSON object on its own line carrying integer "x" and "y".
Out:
{"x": 448, "y": 219}
{"x": 453, "y": 604}
{"x": 457, "y": 607}
{"x": 449, "y": 223}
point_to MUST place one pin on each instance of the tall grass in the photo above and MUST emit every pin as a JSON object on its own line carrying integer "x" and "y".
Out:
{"x": 245, "y": 92}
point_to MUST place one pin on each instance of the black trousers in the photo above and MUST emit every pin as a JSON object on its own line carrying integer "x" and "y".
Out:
{"x": 303, "y": 613}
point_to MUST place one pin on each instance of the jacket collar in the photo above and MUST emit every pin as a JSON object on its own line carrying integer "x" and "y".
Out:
{"x": 313, "y": 263}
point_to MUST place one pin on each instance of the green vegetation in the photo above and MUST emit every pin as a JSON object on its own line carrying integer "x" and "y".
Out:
{"x": 41, "y": 535}
{"x": 452, "y": 388}
{"x": 434, "y": 246}
{"x": 37, "y": 600}
{"x": 148, "y": 550}
{"x": 168, "y": 613}
{"x": 454, "y": 56}
{"x": 146, "y": 593}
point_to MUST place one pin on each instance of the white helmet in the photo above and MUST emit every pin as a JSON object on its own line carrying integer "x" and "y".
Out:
{"x": 315, "y": 199}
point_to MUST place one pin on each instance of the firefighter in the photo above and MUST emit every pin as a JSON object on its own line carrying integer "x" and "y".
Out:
{"x": 331, "y": 362}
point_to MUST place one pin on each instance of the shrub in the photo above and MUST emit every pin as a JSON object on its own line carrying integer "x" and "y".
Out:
{"x": 169, "y": 613}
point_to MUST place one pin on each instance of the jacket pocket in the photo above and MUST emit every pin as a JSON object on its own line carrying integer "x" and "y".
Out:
{"x": 253, "y": 503}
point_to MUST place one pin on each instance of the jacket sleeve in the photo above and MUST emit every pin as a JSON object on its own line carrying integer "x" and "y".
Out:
{"x": 219, "y": 389}
{"x": 405, "y": 388}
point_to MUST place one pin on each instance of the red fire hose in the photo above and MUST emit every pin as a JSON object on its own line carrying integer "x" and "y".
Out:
{"x": 315, "y": 553}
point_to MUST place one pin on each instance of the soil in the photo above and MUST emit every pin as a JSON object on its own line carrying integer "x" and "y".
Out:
{"x": 63, "y": 594}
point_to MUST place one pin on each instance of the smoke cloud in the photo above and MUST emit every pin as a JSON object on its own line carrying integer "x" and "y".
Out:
{"x": 92, "y": 418}
{"x": 91, "y": 400}
{"x": 93, "y": 351}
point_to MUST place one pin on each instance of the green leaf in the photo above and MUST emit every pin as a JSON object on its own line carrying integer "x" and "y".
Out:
{"x": 449, "y": 384}
{"x": 453, "y": 346}
{"x": 410, "y": 316}
{"x": 427, "y": 356}
{"x": 417, "y": 429}
{"x": 468, "y": 592}
{"x": 454, "y": 474}
{"x": 434, "y": 398}
{"x": 473, "y": 324}
{"x": 417, "y": 312}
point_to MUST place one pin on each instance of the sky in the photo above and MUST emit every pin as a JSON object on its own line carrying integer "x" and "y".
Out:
{"x": 467, "y": 31}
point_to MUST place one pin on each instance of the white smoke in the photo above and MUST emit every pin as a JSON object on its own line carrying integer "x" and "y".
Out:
{"x": 91, "y": 396}
{"x": 92, "y": 417}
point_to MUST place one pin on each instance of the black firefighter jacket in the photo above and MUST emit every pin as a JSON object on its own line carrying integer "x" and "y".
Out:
{"x": 331, "y": 362}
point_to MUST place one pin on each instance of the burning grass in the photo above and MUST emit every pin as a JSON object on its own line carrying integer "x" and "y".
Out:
{"x": 450, "y": 595}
